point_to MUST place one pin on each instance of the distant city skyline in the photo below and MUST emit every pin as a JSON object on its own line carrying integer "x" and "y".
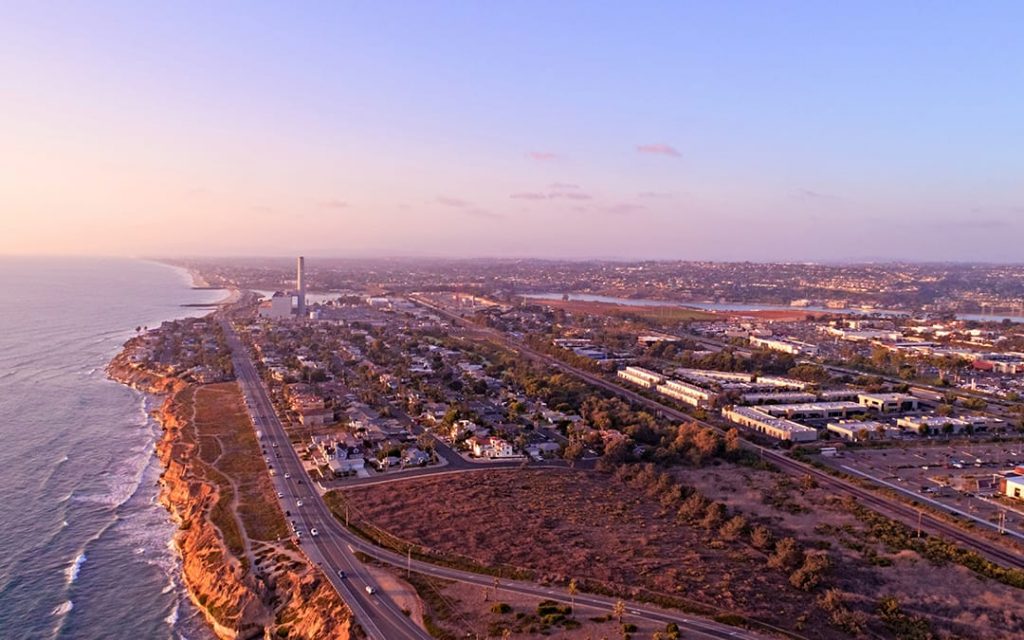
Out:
{"x": 762, "y": 131}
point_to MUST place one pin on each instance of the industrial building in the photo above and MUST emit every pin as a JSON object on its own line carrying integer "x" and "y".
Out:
{"x": 813, "y": 410}
{"x": 936, "y": 425}
{"x": 641, "y": 377}
{"x": 1011, "y": 484}
{"x": 888, "y": 402}
{"x": 862, "y": 430}
{"x": 778, "y": 428}
{"x": 300, "y": 287}
{"x": 789, "y": 397}
{"x": 685, "y": 392}
{"x": 278, "y": 308}
{"x": 785, "y": 345}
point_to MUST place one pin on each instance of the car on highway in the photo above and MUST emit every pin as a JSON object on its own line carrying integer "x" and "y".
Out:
{"x": 342, "y": 574}
{"x": 370, "y": 590}
{"x": 314, "y": 532}
{"x": 287, "y": 476}
{"x": 298, "y": 503}
{"x": 280, "y": 495}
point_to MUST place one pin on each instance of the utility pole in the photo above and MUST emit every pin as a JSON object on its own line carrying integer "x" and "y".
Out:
{"x": 920, "y": 514}
{"x": 1002, "y": 522}
{"x": 408, "y": 562}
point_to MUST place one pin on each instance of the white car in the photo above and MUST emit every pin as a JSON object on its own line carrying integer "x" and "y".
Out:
{"x": 287, "y": 475}
{"x": 314, "y": 532}
{"x": 298, "y": 503}
{"x": 280, "y": 495}
{"x": 370, "y": 590}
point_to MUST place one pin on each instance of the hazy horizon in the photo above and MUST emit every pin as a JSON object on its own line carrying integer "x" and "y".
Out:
{"x": 760, "y": 132}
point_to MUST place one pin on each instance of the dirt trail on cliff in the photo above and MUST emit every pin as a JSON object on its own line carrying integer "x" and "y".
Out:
{"x": 238, "y": 562}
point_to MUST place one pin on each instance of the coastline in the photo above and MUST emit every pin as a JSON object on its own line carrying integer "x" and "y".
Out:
{"x": 236, "y": 599}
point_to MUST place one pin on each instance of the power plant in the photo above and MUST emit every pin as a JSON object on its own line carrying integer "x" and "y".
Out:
{"x": 300, "y": 287}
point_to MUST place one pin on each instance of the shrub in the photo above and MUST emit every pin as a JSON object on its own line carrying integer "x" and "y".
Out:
{"x": 788, "y": 555}
{"x": 761, "y": 537}
{"x": 810, "y": 574}
{"x": 733, "y": 528}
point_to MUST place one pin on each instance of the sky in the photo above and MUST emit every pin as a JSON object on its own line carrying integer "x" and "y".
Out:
{"x": 762, "y": 130}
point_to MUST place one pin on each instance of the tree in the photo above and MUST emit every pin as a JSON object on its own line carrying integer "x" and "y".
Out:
{"x": 619, "y": 610}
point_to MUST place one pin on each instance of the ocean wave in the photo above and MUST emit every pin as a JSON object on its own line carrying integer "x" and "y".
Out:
{"x": 71, "y": 572}
{"x": 172, "y": 617}
{"x": 63, "y": 608}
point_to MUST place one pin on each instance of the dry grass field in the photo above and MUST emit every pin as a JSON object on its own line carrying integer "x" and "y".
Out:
{"x": 597, "y": 529}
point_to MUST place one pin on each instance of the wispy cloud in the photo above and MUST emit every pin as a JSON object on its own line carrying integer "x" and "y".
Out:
{"x": 659, "y": 149}
{"x": 541, "y": 156}
{"x": 452, "y": 202}
{"x": 483, "y": 214}
{"x": 654, "y": 194}
{"x": 569, "y": 195}
{"x": 334, "y": 204}
{"x": 974, "y": 224}
{"x": 623, "y": 209}
{"x": 562, "y": 186}
{"x": 810, "y": 194}
{"x": 529, "y": 195}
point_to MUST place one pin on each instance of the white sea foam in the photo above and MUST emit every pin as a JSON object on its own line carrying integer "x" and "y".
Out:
{"x": 71, "y": 572}
{"x": 172, "y": 617}
{"x": 63, "y": 608}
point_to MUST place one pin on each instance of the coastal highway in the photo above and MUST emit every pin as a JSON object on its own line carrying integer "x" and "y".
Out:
{"x": 335, "y": 547}
{"x": 890, "y": 507}
{"x": 378, "y": 614}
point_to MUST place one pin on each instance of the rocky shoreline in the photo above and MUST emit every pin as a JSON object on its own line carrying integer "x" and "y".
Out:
{"x": 288, "y": 601}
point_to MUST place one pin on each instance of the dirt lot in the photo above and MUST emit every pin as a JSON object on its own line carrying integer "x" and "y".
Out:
{"x": 586, "y": 525}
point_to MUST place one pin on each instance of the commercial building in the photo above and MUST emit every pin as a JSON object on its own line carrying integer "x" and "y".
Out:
{"x": 778, "y": 428}
{"x": 862, "y": 430}
{"x": 1011, "y": 484}
{"x": 888, "y": 402}
{"x": 936, "y": 425}
{"x": 642, "y": 377}
{"x": 785, "y": 345}
{"x": 813, "y": 410}
{"x": 685, "y": 392}
{"x": 788, "y": 397}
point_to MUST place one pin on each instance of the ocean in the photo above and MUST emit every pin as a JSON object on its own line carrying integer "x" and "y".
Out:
{"x": 84, "y": 546}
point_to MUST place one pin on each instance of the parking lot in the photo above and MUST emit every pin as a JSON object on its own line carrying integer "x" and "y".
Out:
{"x": 959, "y": 478}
